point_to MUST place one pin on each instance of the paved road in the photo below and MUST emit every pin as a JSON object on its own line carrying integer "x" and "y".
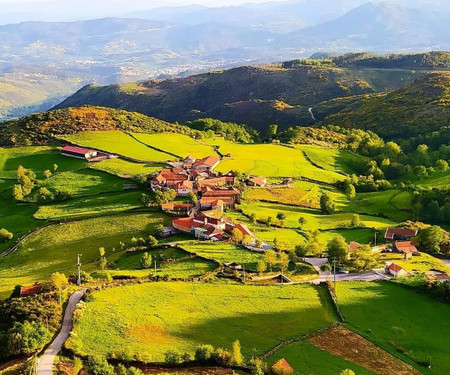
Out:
{"x": 446, "y": 262}
{"x": 45, "y": 365}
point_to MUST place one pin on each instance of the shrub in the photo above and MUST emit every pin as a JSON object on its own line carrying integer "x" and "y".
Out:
{"x": 203, "y": 353}
{"x": 77, "y": 365}
{"x": 27, "y": 337}
{"x": 172, "y": 358}
{"x": 5, "y": 235}
{"x": 222, "y": 357}
{"x": 98, "y": 365}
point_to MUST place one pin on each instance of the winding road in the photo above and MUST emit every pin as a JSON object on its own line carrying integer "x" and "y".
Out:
{"x": 45, "y": 362}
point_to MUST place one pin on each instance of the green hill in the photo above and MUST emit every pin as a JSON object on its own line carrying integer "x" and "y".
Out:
{"x": 43, "y": 127}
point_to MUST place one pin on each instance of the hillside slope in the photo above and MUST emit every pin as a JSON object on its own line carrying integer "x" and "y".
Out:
{"x": 41, "y": 128}
{"x": 257, "y": 96}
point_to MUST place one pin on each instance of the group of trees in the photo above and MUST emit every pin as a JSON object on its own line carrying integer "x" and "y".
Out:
{"x": 5, "y": 235}
{"x": 230, "y": 131}
{"x": 27, "y": 181}
{"x": 272, "y": 259}
{"x": 432, "y": 206}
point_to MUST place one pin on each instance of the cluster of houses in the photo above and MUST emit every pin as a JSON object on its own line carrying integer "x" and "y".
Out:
{"x": 214, "y": 194}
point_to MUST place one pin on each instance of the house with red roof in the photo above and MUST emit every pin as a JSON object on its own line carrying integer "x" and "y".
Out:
{"x": 257, "y": 181}
{"x": 395, "y": 270}
{"x": 177, "y": 207}
{"x": 79, "y": 152}
{"x": 407, "y": 248}
{"x": 30, "y": 290}
{"x": 393, "y": 234}
{"x": 208, "y": 163}
{"x": 185, "y": 188}
{"x": 353, "y": 246}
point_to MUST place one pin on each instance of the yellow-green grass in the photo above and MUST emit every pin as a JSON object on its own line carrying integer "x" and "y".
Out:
{"x": 388, "y": 204}
{"x": 417, "y": 264}
{"x": 285, "y": 195}
{"x": 84, "y": 182}
{"x": 37, "y": 159}
{"x": 440, "y": 180}
{"x": 224, "y": 252}
{"x": 374, "y": 308}
{"x": 315, "y": 219}
{"x": 331, "y": 159}
{"x": 269, "y": 160}
{"x": 119, "y": 143}
{"x": 55, "y": 248}
{"x": 151, "y": 319}
{"x": 361, "y": 235}
{"x": 306, "y": 359}
{"x": 90, "y": 206}
{"x": 177, "y": 144}
{"x": 127, "y": 169}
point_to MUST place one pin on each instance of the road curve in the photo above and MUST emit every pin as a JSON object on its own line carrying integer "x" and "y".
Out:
{"x": 45, "y": 363}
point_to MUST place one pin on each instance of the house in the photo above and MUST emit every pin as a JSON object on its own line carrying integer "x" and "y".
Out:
{"x": 246, "y": 232}
{"x": 185, "y": 188}
{"x": 257, "y": 181}
{"x": 214, "y": 182}
{"x": 189, "y": 160}
{"x": 79, "y": 152}
{"x": 393, "y": 234}
{"x": 212, "y": 203}
{"x": 395, "y": 270}
{"x": 231, "y": 192}
{"x": 208, "y": 163}
{"x": 30, "y": 290}
{"x": 177, "y": 207}
{"x": 234, "y": 266}
{"x": 282, "y": 367}
{"x": 353, "y": 246}
{"x": 406, "y": 247}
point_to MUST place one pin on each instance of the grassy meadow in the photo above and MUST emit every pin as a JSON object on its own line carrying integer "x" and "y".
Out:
{"x": 126, "y": 169}
{"x": 374, "y": 308}
{"x": 151, "y": 319}
{"x": 55, "y": 248}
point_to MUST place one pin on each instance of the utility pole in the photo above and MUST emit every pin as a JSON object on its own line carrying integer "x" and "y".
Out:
{"x": 243, "y": 270}
{"x": 155, "y": 266}
{"x": 375, "y": 238}
{"x": 334, "y": 272}
{"x": 79, "y": 269}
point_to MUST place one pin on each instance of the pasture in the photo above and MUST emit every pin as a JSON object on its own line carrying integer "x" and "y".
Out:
{"x": 374, "y": 308}
{"x": 177, "y": 144}
{"x": 151, "y": 319}
{"x": 126, "y": 169}
{"x": 417, "y": 264}
{"x": 269, "y": 160}
{"x": 117, "y": 142}
{"x": 285, "y": 196}
{"x": 306, "y": 359}
{"x": 55, "y": 248}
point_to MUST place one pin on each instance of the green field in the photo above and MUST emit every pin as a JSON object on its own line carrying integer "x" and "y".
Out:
{"x": 153, "y": 318}
{"x": 306, "y": 359}
{"x": 119, "y": 143}
{"x": 224, "y": 253}
{"x": 374, "y": 308}
{"x": 83, "y": 183}
{"x": 177, "y": 144}
{"x": 37, "y": 159}
{"x": 55, "y": 248}
{"x": 269, "y": 160}
{"x": 315, "y": 220}
{"x": 98, "y": 205}
{"x": 123, "y": 168}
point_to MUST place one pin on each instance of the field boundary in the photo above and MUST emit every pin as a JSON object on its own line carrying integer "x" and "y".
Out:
{"x": 153, "y": 147}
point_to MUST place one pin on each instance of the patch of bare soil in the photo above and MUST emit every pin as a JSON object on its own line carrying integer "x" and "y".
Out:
{"x": 346, "y": 344}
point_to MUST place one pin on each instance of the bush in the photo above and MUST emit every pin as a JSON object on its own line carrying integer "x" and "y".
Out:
{"x": 77, "y": 365}
{"x": 222, "y": 357}
{"x": 5, "y": 235}
{"x": 98, "y": 365}
{"x": 203, "y": 353}
{"x": 172, "y": 358}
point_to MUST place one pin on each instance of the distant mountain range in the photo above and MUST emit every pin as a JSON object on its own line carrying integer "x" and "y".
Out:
{"x": 180, "y": 41}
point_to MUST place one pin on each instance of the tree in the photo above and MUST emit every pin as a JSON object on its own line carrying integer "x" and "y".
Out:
{"x": 269, "y": 221}
{"x": 275, "y": 243}
{"x": 348, "y": 372}
{"x": 356, "y": 221}
{"x": 301, "y": 222}
{"x": 27, "y": 337}
{"x": 145, "y": 200}
{"x": 247, "y": 240}
{"x": 441, "y": 165}
{"x": 18, "y": 192}
{"x": 270, "y": 257}
{"x": 59, "y": 282}
{"x": 236, "y": 236}
{"x": 431, "y": 239}
{"x": 281, "y": 216}
{"x": 362, "y": 258}
{"x": 252, "y": 218}
{"x": 337, "y": 248}
{"x": 44, "y": 195}
{"x": 172, "y": 358}
{"x": 21, "y": 171}
{"x": 236, "y": 355}
{"x": 146, "y": 261}
{"x": 258, "y": 243}
{"x": 159, "y": 230}
{"x": 261, "y": 267}
{"x": 55, "y": 167}
{"x": 167, "y": 196}
{"x": 422, "y": 149}
{"x": 445, "y": 213}
{"x": 433, "y": 211}
{"x": 350, "y": 191}
{"x": 98, "y": 365}
{"x": 301, "y": 251}
{"x": 272, "y": 131}
{"x": 47, "y": 174}
{"x": 326, "y": 267}
{"x": 5, "y": 235}
{"x": 152, "y": 242}
{"x": 326, "y": 204}
{"x": 313, "y": 247}
{"x": 284, "y": 261}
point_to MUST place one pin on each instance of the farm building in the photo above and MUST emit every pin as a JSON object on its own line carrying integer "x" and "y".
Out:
{"x": 215, "y": 182}
{"x": 257, "y": 181}
{"x": 395, "y": 270}
{"x": 353, "y": 246}
{"x": 282, "y": 367}
{"x": 30, "y": 290}
{"x": 176, "y": 207}
{"x": 214, "y": 203}
{"x": 184, "y": 188}
{"x": 208, "y": 163}
{"x": 406, "y": 247}
{"x": 393, "y": 234}
{"x": 79, "y": 152}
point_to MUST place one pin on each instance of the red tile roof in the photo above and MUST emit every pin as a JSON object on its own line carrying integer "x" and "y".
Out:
{"x": 76, "y": 150}
{"x": 244, "y": 230}
{"x": 30, "y": 290}
{"x": 352, "y": 246}
{"x": 399, "y": 232}
{"x": 259, "y": 181}
{"x": 209, "y": 161}
{"x": 406, "y": 247}
{"x": 184, "y": 223}
{"x": 395, "y": 267}
{"x": 220, "y": 192}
